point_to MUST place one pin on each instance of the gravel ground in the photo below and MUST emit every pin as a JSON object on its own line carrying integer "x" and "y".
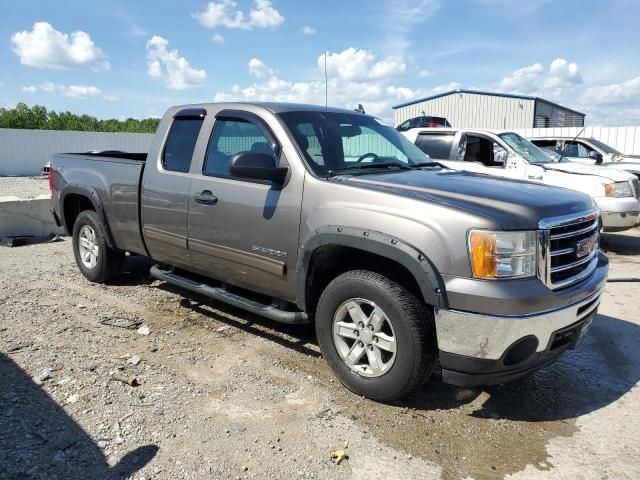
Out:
{"x": 24, "y": 187}
{"x": 221, "y": 394}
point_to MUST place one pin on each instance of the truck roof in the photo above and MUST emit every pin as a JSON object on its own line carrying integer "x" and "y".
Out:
{"x": 274, "y": 107}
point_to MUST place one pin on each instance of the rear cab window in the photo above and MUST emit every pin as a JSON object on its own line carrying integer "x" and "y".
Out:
{"x": 180, "y": 144}
{"x": 437, "y": 146}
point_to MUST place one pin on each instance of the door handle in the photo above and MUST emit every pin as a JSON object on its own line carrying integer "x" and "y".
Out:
{"x": 206, "y": 198}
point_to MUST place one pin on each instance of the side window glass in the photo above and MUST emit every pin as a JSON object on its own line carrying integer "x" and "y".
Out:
{"x": 436, "y": 146}
{"x": 583, "y": 150}
{"x": 229, "y": 138}
{"x": 181, "y": 142}
{"x": 571, "y": 149}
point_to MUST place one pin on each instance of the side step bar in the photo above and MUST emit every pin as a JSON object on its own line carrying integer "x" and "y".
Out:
{"x": 269, "y": 311}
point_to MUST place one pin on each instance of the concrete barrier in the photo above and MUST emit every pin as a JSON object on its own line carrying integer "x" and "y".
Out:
{"x": 27, "y": 217}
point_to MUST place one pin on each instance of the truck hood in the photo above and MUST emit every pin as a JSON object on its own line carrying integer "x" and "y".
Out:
{"x": 513, "y": 204}
{"x": 595, "y": 170}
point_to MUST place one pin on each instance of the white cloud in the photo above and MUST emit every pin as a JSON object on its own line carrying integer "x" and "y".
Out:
{"x": 624, "y": 93}
{"x": 524, "y": 80}
{"x": 536, "y": 80}
{"x": 170, "y": 66}
{"x": 308, "y": 30}
{"x": 612, "y": 104}
{"x": 357, "y": 65}
{"x": 79, "y": 91}
{"x": 563, "y": 74}
{"x": 217, "y": 38}
{"x": 73, "y": 91}
{"x": 424, "y": 73}
{"x": 224, "y": 13}
{"x": 352, "y": 80}
{"x": 259, "y": 69}
{"x": 48, "y": 87}
{"x": 46, "y": 47}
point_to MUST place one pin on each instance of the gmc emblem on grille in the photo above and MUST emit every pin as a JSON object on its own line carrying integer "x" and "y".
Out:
{"x": 586, "y": 246}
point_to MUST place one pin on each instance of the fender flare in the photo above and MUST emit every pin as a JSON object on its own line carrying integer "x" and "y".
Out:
{"x": 415, "y": 261}
{"x": 94, "y": 198}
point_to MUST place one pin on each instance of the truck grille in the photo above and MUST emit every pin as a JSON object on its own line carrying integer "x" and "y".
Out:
{"x": 568, "y": 248}
{"x": 635, "y": 183}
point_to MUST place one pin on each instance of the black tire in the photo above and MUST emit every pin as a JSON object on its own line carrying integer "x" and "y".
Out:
{"x": 413, "y": 326}
{"x": 108, "y": 262}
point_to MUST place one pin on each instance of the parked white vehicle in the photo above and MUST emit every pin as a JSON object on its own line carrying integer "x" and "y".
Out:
{"x": 507, "y": 154}
{"x": 590, "y": 151}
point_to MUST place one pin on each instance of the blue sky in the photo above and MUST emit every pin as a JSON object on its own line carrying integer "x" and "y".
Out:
{"x": 124, "y": 58}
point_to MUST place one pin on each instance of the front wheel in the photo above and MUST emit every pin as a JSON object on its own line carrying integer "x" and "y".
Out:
{"x": 94, "y": 258}
{"x": 378, "y": 338}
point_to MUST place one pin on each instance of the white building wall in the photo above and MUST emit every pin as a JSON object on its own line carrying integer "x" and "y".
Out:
{"x": 625, "y": 139}
{"x": 24, "y": 152}
{"x": 473, "y": 110}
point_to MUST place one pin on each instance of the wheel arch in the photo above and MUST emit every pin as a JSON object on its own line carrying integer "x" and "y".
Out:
{"x": 335, "y": 249}
{"x": 74, "y": 200}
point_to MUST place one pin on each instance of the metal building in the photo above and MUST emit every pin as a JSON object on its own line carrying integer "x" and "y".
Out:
{"x": 477, "y": 109}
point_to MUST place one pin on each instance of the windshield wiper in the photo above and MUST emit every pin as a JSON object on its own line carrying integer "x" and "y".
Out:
{"x": 364, "y": 166}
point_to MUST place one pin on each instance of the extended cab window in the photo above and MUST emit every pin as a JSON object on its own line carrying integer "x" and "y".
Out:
{"x": 181, "y": 142}
{"x": 229, "y": 138}
{"x": 436, "y": 146}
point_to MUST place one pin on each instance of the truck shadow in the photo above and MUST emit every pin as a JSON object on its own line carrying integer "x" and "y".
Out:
{"x": 620, "y": 243}
{"x": 600, "y": 371}
{"x": 39, "y": 440}
{"x": 295, "y": 337}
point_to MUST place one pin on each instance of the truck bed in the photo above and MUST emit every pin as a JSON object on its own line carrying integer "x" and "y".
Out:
{"x": 115, "y": 178}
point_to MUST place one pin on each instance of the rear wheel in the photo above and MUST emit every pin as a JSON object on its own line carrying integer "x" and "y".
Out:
{"x": 377, "y": 337}
{"x": 94, "y": 258}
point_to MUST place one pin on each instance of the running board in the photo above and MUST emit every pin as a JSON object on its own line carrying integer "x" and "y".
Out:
{"x": 269, "y": 311}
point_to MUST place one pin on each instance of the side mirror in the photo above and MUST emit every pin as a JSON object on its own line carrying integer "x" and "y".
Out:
{"x": 500, "y": 157}
{"x": 593, "y": 155}
{"x": 257, "y": 166}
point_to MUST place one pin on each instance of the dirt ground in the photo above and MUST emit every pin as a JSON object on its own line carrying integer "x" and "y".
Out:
{"x": 225, "y": 395}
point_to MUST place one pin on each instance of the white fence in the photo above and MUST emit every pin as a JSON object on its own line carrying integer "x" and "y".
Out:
{"x": 624, "y": 139}
{"x": 24, "y": 152}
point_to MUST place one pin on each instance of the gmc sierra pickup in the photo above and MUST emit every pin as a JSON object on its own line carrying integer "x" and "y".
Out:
{"x": 306, "y": 214}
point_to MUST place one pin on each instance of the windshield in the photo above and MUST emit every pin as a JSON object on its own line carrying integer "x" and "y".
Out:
{"x": 332, "y": 141}
{"x": 526, "y": 149}
{"x": 604, "y": 147}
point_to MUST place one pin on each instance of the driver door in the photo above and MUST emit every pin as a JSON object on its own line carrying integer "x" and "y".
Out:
{"x": 242, "y": 231}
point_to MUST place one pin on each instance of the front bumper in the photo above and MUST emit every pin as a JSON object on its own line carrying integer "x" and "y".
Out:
{"x": 486, "y": 349}
{"x": 618, "y": 213}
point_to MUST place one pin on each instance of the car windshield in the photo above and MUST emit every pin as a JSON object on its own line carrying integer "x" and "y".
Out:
{"x": 526, "y": 149}
{"x": 604, "y": 147}
{"x": 343, "y": 142}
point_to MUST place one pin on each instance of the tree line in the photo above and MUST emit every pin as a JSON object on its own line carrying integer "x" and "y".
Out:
{"x": 38, "y": 118}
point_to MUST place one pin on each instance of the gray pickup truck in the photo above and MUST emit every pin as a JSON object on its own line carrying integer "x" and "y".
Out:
{"x": 307, "y": 214}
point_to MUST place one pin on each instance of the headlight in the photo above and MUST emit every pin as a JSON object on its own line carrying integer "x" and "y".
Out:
{"x": 618, "y": 189}
{"x": 502, "y": 254}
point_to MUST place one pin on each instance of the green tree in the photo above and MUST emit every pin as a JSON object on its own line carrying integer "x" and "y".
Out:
{"x": 38, "y": 118}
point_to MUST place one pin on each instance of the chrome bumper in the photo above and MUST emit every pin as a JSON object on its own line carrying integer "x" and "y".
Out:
{"x": 618, "y": 213}
{"x": 488, "y": 337}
